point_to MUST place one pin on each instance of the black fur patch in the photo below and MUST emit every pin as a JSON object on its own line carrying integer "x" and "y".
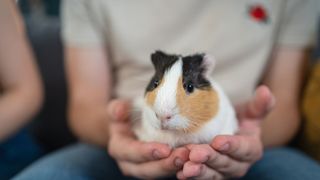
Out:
{"x": 194, "y": 71}
{"x": 161, "y": 62}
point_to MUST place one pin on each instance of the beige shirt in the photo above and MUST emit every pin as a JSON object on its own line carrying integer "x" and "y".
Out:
{"x": 240, "y": 34}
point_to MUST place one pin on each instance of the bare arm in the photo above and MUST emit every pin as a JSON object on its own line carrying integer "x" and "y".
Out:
{"x": 284, "y": 78}
{"x": 21, "y": 90}
{"x": 89, "y": 80}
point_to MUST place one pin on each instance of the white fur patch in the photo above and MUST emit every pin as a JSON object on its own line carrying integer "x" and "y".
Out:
{"x": 166, "y": 96}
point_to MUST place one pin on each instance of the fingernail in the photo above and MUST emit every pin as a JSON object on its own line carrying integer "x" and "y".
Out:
{"x": 178, "y": 162}
{"x": 156, "y": 154}
{"x": 225, "y": 147}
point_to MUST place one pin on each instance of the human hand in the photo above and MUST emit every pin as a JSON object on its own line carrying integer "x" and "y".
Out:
{"x": 136, "y": 158}
{"x": 230, "y": 156}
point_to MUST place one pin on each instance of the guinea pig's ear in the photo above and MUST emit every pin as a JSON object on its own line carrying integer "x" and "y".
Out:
{"x": 162, "y": 61}
{"x": 208, "y": 63}
{"x": 158, "y": 58}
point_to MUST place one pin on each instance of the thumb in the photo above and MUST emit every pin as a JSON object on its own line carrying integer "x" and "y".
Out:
{"x": 118, "y": 109}
{"x": 259, "y": 106}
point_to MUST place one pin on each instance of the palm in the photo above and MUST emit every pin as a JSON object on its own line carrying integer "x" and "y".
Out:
{"x": 232, "y": 155}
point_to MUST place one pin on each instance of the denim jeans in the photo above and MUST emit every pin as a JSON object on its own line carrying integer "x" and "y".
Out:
{"x": 16, "y": 153}
{"x": 82, "y": 161}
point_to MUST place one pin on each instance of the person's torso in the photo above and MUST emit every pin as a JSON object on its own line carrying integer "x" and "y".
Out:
{"x": 239, "y": 34}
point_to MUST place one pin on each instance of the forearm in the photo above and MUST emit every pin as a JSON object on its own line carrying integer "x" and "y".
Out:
{"x": 89, "y": 79}
{"x": 21, "y": 93}
{"x": 89, "y": 122}
{"x": 17, "y": 107}
{"x": 284, "y": 77}
{"x": 281, "y": 125}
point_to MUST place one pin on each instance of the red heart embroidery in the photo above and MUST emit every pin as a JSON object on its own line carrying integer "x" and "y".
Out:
{"x": 258, "y": 13}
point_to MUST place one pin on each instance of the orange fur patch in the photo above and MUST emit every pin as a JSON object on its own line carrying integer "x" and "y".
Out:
{"x": 151, "y": 95}
{"x": 199, "y": 107}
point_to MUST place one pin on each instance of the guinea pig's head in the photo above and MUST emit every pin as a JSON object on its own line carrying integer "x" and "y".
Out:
{"x": 180, "y": 93}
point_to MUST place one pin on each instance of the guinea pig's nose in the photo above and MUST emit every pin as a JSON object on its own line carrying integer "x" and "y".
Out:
{"x": 165, "y": 117}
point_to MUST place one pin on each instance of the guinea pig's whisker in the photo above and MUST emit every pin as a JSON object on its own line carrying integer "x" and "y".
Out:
{"x": 194, "y": 124}
{"x": 184, "y": 130}
{"x": 135, "y": 114}
{"x": 135, "y": 110}
{"x": 136, "y": 118}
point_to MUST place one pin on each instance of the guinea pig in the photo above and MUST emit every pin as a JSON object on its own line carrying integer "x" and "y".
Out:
{"x": 181, "y": 104}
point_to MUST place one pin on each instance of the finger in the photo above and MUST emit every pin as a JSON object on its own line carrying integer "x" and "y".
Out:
{"x": 123, "y": 146}
{"x": 198, "y": 171}
{"x": 136, "y": 151}
{"x": 180, "y": 175}
{"x": 242, "y": 148}
{"x": 258, "y": 106}
{"x": 118, "y": 109}
{"x": 201, "y": 153}
{"x": 219, "y": 162}
{"x": 190, "y": 146}
{"x": 156, "y": 169}
{"x": 208, "y": 173}
{"x": 191, "y": 169}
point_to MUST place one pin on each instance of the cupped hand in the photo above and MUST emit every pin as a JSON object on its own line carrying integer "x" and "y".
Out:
{"x": 230, "y": 156}
{"x": 140, "y": 159}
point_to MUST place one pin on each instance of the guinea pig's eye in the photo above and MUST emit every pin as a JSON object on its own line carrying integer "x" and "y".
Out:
{"x": 155, "y": 83}
{"x": 189, "y": 87}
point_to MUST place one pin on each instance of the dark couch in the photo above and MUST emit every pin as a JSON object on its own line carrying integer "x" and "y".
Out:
{"x": 50, "y": 126}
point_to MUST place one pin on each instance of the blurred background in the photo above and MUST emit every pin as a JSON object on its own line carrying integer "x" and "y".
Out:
{"x": 43, "y": 26}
